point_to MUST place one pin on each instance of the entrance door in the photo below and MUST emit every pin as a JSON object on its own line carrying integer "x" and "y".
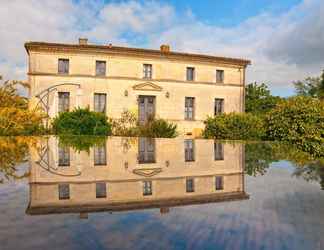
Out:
{"x": 146, "y": 108}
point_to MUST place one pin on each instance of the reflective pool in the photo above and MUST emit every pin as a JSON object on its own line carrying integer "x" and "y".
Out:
{"x": 141, "y": 193}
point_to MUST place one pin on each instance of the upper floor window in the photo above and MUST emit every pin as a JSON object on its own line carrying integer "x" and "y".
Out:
{"x": 63, "y": 66}
{"x": 147, "y": 71}
{"x": 100, "y": 102}
{"x": 190, "y": 74}
{"x": 190, "y": 185}
{"x": 218, "y": 151}
{"x": 64, "y": 156}
{"x": 100, "y": 155}
{"x": 100, "y": 68}
{"x": 189, "y": 150}
{"x": 64, "y": 101}
{"x": 219, "y": 76}
{"x": 64, "y": 191}
{"x": 219, "y": 106}
{"x": 101, "y": 190}
{"x": 219, "y": 183}
{"x": 189, "y": 108}
{"x": 147, "y": 187}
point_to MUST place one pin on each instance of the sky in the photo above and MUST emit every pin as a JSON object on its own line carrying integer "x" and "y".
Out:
{"x": 284, "y": 39}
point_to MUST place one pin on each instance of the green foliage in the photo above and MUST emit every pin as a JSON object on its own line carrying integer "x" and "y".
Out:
{"x": 128, "y": 125}
{"x": 15, "y": 117}
{"x": 298, "y": 120}
{"x": 258, "y": 99}
{"x": 81, "y": 122}
{"x": 81, "y": 143}
{"x": 234, "y": 126}
{"x": 311, "y": 86}
{"x": 158, "y": 128}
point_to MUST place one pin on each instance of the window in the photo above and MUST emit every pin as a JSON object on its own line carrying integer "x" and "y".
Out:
{"x": 63, "y": 66}
{"x": 189, "y": 150}
{"x": 219, "y": 183}
{"x": 147, "y": 187}
{"x": 190, "y": 185}
{"x": 101, "y": 190}
{"x": 189, "y": 108}
{"x": 147, "y": 71}
{"x": 64, "y": 101}
{"x": 100, "y": 102}
{"x": 219, "y": 76}
{"x": 218, "y": 151}
{"x": 190, "y": 74}
{"x": 64, "y": 191}
{"x": 100, "y": 155}
{"x": 146, "y": 150}
{"x": 64, "y": 156}
{"x": 100, "y": 68}
{"x": 219, "y": 106}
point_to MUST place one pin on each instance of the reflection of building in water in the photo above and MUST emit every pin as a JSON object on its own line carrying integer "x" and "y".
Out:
{"x": 126, "y": 174}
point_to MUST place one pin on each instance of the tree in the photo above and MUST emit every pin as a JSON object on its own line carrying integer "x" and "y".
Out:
{"x": 311, "y": 86}
{"x": 258, "y": 98}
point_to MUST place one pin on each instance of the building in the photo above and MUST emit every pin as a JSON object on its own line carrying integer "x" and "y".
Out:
{"x": 180, "y": 87}
{"x": 134, "y": 173}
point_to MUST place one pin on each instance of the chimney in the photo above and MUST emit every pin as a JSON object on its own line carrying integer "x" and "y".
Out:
{"x": 165, "y": 48}
{"x": 83, "y": 41}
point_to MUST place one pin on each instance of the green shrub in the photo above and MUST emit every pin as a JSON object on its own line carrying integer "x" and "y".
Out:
{"x": 81, "y": 143}
{"x": 234, "y": 126}
{"x": 81, "y": 122}
{"x": 298, "y": 120}
{"x": 158, "y": 128}
{"x": 126, "y": 125}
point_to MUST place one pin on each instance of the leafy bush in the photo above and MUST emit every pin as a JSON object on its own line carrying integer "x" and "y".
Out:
{"x": 81, "y": 122}
{"x": 158, "y": 128}
{"x": 298, "y": 120}
{"x": 81, "y": 143}
{"x": 127, "y": 125}
{"x": 234, "y": 126}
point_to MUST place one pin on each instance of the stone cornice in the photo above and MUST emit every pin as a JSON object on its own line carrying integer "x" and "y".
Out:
{"x": 126, "y": 51}
{"x": 132, "y": 78}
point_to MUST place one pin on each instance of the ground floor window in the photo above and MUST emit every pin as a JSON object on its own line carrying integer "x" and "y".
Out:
{"x": 189, "y": 108}
{"x": 218, "y": 151}
{"x": 219, "y": 183}
{"x": 64, "y": 191}
{"x": 189, "y": 150}
{"x": 219, "y": 106}
{"x": 64, "y": 156}
{"x": 100, "y": 102}
{"x": 100, "y": 155}
{"x": 64, "y": 101}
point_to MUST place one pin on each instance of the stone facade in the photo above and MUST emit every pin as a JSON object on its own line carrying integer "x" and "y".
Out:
{"x": 123, "y": 80}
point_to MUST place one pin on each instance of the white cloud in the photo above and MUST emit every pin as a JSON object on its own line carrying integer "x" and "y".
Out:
{"x": 282, "y": 47}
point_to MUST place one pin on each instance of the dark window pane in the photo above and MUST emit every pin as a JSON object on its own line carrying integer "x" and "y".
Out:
{"x": 64, "y": 191}
{"x": 101, "y": 190}
{"x": 190, "y": 186}
{"x": 100, "y": 102}
{"x": 64, "y": 156}
{"x": 219, "y": 184}
{"x": 100, "y": 155}
{"x": 189, "y": 108}
{"x": 189, "y": 150}
{"x": 147, "y": 71}
{"x": 100, "y": 68}
{"x": 219, "y": 106}
{"x": 190, "y": 74}
{"x": 146, "y": 150}
{"x": 63, "y": 66}
{"x": 218, "y": 151}
{"x": 64, "y": 101}
{"x": 147, "y": 188}
{"x": 219, "y": 76}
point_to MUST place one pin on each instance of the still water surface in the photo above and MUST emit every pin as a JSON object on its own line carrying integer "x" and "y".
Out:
{"x": 139, "y": 193}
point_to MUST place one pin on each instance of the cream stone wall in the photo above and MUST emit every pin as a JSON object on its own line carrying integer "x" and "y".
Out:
{"x": 123, "y": 174}
{"x": 123, "y": 73}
